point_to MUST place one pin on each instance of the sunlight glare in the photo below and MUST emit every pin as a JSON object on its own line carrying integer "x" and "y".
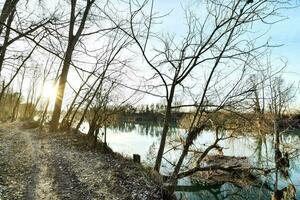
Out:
{"x": 49, "y": 91}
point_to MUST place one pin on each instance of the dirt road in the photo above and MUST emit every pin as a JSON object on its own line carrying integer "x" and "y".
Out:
{"x": 38, "y": 165}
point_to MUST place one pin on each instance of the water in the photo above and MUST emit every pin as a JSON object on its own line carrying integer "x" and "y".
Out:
{"x": 129, "y": 138}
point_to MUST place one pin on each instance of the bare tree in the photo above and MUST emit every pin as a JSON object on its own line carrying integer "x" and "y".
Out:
{"x": 212, "y": 41}
{"x": 111, "y": 65}
{"x": 18, "y": 101}
{"x": 73, "y": 38}
{"x": 7, "y": 10}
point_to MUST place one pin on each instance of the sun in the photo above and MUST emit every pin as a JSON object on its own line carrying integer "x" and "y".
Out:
{"x": 49, "y": 92}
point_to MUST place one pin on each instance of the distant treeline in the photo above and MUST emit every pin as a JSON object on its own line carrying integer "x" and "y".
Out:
{"x": 246, "y": 121}
{"x": 148, "y": 113}
{"x": 239, "y": 121}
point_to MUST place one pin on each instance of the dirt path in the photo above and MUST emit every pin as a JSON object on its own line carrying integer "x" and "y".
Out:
{"x": 41, "y": 185}
{"x": 37, "y": 165}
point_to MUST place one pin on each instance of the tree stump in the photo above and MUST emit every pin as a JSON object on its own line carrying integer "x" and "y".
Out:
{"x": 136, "y": 158}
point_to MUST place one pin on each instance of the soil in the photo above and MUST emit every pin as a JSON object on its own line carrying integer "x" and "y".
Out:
{"x": 36, "y": 164}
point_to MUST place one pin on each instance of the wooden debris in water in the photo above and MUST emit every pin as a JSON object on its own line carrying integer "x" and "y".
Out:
{"x": 221, "y": 169}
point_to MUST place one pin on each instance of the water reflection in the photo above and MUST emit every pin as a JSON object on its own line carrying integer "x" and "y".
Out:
{"x": 226, "y": 191}
{"x": 152, "y": 129}
{"x": 129, "y": 138}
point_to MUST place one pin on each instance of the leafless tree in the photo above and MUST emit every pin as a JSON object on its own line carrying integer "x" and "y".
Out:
{"x": 73, "y": 38}
{"x": 214, "y": 41}
{"x": 17, "y": 49}
{"x": 111, "y": 64}
{"x": 7, "y": 10}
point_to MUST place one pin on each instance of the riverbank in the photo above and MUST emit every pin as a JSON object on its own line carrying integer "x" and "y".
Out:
{"x": 36, "y": 164}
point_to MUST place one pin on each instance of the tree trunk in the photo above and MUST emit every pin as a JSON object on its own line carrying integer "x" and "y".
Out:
{"x": 65, "y": 121}
{"x": 70, "y": 122}
{"x": 165, "y": 130}
{"x": 96, "y": 132}
{"x": 8, "y": 7}
{"x": 44, "y": 113}
{"x": 3, "y": 48}
{"x": 90, "y": 101}
{"x": 189, "y": 141}
{"x": 92, "y": 129}
{"x": 105, "y": 134}
{"x": 26, "y": 107}
{"x": 61, "y": 89}
{"x": 15, "y": 110}
{"x": 73, "y": 39}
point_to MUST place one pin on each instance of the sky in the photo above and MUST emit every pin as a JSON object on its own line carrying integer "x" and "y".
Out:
{"x": 288, "y": 33}
{"x": 285, "y": 33}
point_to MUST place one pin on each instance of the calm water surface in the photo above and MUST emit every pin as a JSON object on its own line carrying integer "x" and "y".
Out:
{"x": 129, "y": 138}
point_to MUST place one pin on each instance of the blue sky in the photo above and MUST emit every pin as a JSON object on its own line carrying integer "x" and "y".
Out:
{"x": 285, "y": 33}
{"x": 288, "y": 33}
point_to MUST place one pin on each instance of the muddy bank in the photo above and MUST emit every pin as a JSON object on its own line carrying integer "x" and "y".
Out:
{"x": 36, "y": 164}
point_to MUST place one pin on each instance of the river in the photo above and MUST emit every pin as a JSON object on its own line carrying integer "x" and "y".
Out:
{"x": 142, "y": 139}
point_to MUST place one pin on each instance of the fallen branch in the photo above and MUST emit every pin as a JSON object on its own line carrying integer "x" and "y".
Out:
{"x": 223, "y": 168}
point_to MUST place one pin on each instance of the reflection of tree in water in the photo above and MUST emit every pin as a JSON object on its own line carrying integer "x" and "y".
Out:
{"x": 221, "y": 192}
{"x": 281, "y": 153}
{"x": 147, "y": 128}
{"x": 261, "y": 151}
{"x": 124, "y": 127}
{"x": 285, "y": 148}
{"x": 263, "y": 156}
{"x": 264, "y": 152}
